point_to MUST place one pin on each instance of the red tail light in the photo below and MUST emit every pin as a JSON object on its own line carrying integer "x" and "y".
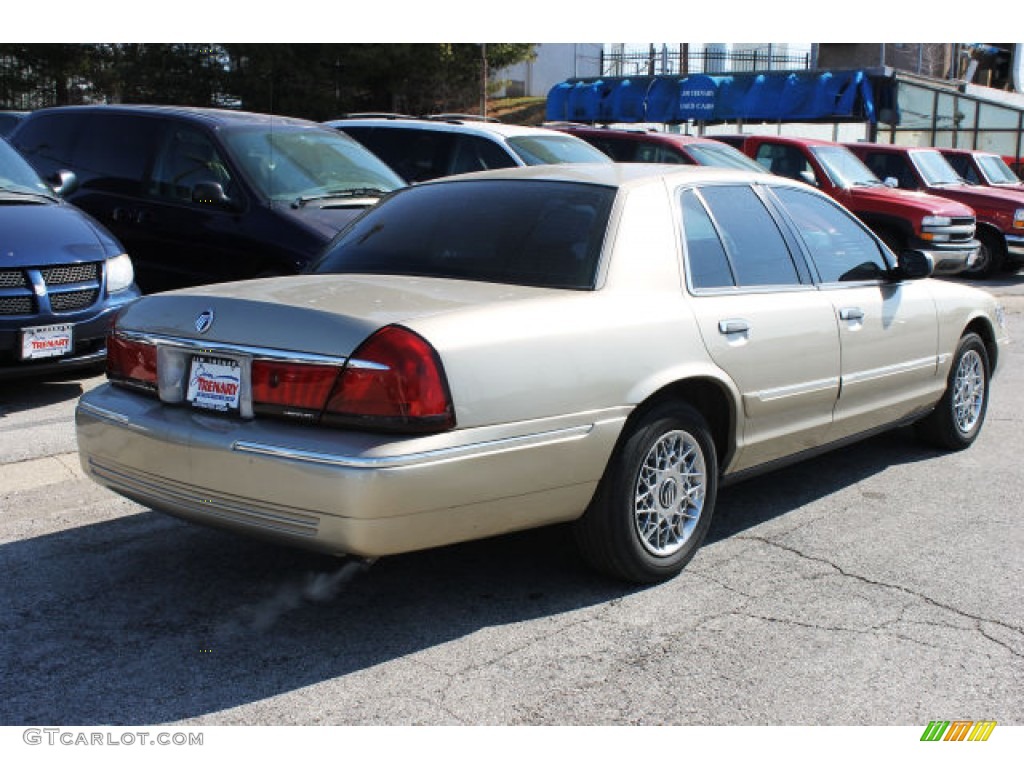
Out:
{"x": 394, "y": 380}
{"x": 294, "y": 389}
{"x": 131, "y": 362}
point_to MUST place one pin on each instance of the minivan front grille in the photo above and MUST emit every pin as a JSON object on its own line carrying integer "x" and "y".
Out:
{"x": 70, "y": 273}
{"x": 16, "y": 305}
{"x": 72, "y": 300}
{"x": 12, "y": 278}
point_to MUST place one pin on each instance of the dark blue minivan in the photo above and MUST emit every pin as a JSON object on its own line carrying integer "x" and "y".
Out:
{"x": 63, "y": 276}
{"x": 206, "y": 195}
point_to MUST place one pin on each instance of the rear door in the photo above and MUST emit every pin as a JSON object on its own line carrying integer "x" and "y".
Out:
{"x": 762, "y": 320}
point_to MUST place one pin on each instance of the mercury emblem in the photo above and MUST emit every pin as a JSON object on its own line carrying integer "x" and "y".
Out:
{"x": 204, "y": 321}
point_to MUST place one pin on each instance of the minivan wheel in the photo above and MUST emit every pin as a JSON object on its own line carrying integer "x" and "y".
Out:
{"x": 957, "y": 419}
{"x": 654, "y": 505}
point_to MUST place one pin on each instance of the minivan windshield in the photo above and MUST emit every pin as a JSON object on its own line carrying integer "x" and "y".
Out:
{"x": 288, "y": 164}
{"x": 844, "y": 168}
{"x": 16, "y": 175}
{"x": 537, "y": 233}
{"x": 552, "y": 150}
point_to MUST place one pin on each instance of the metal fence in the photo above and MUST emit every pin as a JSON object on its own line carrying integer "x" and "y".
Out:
{"x": 680, "y": 60}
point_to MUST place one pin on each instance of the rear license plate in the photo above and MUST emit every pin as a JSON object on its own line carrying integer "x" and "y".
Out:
{"x": 46, "y": 341}
{"x": 214, "y": 383}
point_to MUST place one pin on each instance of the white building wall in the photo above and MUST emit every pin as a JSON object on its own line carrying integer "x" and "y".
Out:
{"x": 554, "y": 63}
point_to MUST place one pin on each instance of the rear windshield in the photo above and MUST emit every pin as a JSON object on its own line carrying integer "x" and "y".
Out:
{"x": 538, "y": 233}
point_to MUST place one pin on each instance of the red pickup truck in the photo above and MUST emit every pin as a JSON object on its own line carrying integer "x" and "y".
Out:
{"x": 1000, "y": 212}
{"x": 903, "y": 220}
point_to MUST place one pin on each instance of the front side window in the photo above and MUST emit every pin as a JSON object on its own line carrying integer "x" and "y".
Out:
{"x": 784, "y": 160}
{"x": 546, "y": 234}
{"x": 840, "y": 248}
{"x": 188, "y": 157}
{"x": 890, "y": 165}
{"x": 757, "y": 251}
{"x": 964, "y": 168}
{"x": 475, "y": 153}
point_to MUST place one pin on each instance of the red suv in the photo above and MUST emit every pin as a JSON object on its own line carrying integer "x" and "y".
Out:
{"x": 902, "y": 220}
{"x": 631, "y": 145}
{"x": 1000, "y": 212}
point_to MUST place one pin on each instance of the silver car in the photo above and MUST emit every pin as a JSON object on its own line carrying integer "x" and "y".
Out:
{"x": 601, "y": 345}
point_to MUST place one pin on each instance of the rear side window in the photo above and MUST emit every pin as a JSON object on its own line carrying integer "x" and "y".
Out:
{"x": 707, "y": 264}
{"x": 546, "y": 234}
{"x": 116, "y": 151}
{"x": 755, "y": 247}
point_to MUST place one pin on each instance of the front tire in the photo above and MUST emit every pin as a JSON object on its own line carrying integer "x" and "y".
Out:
{"x": 654, "y": 504}
{"x": 957, "y": 419}
{"x": 991, "y": 257}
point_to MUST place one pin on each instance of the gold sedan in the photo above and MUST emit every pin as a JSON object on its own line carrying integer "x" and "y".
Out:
{"x": 510, "y": 349}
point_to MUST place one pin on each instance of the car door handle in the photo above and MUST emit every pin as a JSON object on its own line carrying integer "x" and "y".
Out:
{"x": 851, "y": 313}
{"x": 733, "y": 326}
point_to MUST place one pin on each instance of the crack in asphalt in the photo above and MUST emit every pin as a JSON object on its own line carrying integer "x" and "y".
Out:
{"x": 978, "y": 620}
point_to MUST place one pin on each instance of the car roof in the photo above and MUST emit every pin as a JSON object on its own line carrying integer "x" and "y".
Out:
{"x": 208, "y": 115}
{"x": 638, "y": 134}
{"x": 620, "y": 174}
{"x": 453, "y": 124}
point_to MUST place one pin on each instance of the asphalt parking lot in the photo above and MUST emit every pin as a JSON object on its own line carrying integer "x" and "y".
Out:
{"x": 876, "y": 585}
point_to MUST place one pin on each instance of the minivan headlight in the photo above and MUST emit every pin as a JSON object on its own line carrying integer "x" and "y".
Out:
{"x": 120, "y": 273}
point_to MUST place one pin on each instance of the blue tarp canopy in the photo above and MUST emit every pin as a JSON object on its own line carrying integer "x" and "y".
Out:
{"x": 793, "y": 96}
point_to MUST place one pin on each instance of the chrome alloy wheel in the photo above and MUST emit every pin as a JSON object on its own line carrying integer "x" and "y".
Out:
{"x": 669, "y": 494}
{"x": 968, "y": 391}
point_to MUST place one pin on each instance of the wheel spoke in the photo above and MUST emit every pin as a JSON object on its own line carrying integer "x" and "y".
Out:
{"x": 669, "y": 494}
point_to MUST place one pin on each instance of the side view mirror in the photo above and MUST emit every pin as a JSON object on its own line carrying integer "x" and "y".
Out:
{"x": 210, "y": 193}
{"x": 892, "y": 182}
{"x": 913, "y": 265}
{"x": 63, "y": 182}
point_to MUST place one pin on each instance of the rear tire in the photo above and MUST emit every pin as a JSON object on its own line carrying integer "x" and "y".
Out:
{"x": 654, "y": 504}
{"x": 957, "y": 419}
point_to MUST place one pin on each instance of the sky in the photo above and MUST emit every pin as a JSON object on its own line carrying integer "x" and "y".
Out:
{"x": 474, "y": 20}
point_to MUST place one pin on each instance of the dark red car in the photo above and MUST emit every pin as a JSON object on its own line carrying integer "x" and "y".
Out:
{"x": 985, "y": 168}
{"x": 1000, "y": 212}
{"x": 942, "y": 228}
{"x": 632, "y": 145}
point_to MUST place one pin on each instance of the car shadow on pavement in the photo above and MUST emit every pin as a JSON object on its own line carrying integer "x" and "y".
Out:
{"x": 24, "y": 394}
{"x": 146, "y": 619}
